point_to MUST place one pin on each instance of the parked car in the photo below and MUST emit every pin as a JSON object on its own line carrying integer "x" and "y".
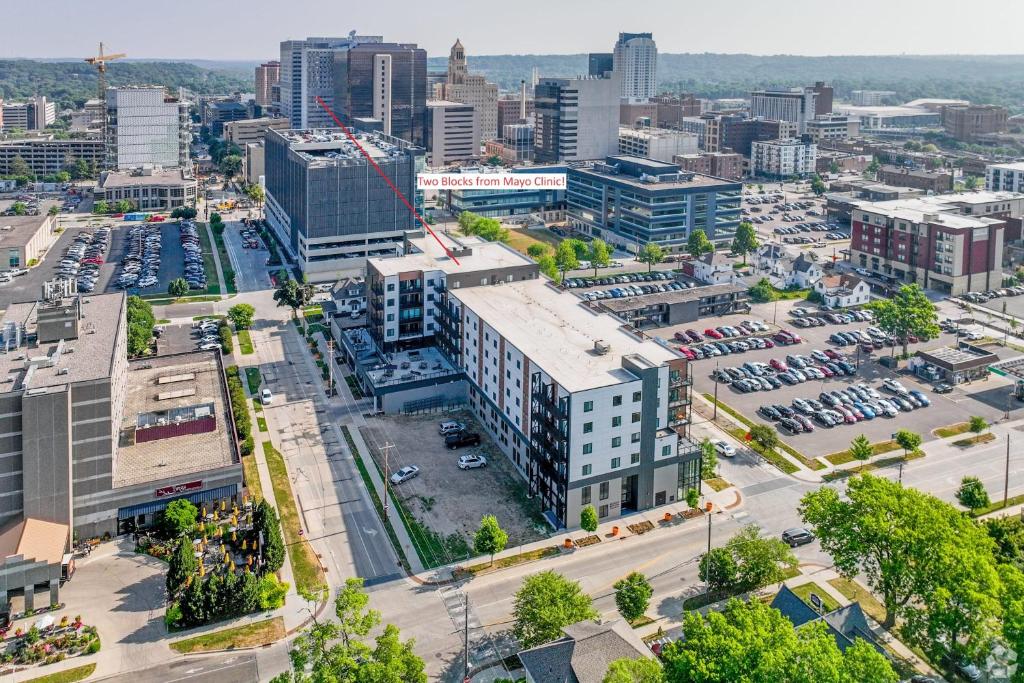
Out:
{"x": 450, "y": 427}
{"x": 405, "y": 474}
{"x": 469, "y": 462}
{"x": 921, "y": 398}
{"x": 797, "y": 536}
{"x": 266, "y": 396}
{"x": 724, "y": 449}
{"x": 895, "y": 387}
{"x": 942, "y": 388}
{"x": 460, "y": 439}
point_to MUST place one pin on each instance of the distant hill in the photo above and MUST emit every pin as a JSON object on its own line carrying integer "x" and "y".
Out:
{"x": 987, "y": 79}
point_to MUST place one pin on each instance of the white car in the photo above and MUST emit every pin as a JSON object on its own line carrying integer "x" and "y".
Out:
{"x": 469, "y": 462}
{"x": 266, "y": 396}
{"x": 450, "y": 427}
{"x": 973, "y": 335}
{"x": 894, "y": 386}
{"x": 724, "y": 449}
{"x": 405, "y": 474}
{"x": 209, "y": 346}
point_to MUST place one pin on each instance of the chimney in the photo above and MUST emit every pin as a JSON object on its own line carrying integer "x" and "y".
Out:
{"x": 522, "y": 100}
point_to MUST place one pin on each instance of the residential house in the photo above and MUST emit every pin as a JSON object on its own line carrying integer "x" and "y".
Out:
{"x": 714, "y": 268}
{"x": 583, "y": 654}
{"x": 785, "y": 269}
{"x": 845, "y": 624}
{"x": 843, "y": 291}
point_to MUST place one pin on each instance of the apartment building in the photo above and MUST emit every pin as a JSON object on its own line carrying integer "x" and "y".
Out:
{"x": 736, "y": 133}
{"x": 576, "y": 118}
{"x": 635, "y": 59}
{"x": 941, "y": 243}
{"x": 245, "y": 131}
{"x": 783, "y": 158}
{"x": 967, "y": 122}
{"x": 660, "y": 144}
{"x": 146, "y": 126}
{"x": 718, "y": 164}
{"x": 47, "y": 155}
{"x": 453, "y": 133}
{"x": 832, "y": 127}
{"x": 328, "y": 206}
{"x": 1007, "y": 177}
{"x": 472, "y": 89}
{"x": 628, "y": 202}
{"x": 797, "y": 105}
{"x": 268, "y": 74}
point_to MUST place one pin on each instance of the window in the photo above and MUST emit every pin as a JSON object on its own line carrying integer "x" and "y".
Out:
{"x": 585, "y": 495}
{"x": 617, "y": 421}
{"x": 666, "y": 450}
{"x": 634, "y": 437}
{"x": 602, "y": 511}
{"x": 634, "y": 458}
{"x": 635, "y": 418}
{"x": 391, "y": 287}
{"x": 588, "y": 427}
{"x": 587, "y": 469}
{"x": 616, "y": 463}
{"x": 616, "y": 442}
{"x": 617, "y": 400}
{"x": 391, "y": 302}
{"x": 602, "y": 493}
{"x": 588, "y": 406}
{"x": 588, "y": 448}
{"x": 636, "y": 396}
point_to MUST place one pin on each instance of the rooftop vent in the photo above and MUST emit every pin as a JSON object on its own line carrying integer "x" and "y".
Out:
{"x": 602, "y": 348}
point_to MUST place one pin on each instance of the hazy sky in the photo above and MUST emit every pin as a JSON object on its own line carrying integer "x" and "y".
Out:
{"x": 252, "y": 29}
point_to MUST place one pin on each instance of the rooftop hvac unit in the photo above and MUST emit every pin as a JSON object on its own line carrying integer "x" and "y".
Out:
{"x": 602, "y": 348}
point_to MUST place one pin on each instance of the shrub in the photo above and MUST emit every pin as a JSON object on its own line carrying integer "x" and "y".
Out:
{"x": 172, "y": 617}
{"x": 227, "y": 343}
{"x": 247, "y": 446}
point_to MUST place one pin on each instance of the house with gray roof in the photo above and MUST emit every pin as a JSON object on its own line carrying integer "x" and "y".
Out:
{"x": 845, "y": 624}
{"x": 714, "y": 268}
{"x": 584, "y": 653}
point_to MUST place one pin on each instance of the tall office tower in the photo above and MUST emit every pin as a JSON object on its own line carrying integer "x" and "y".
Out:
{"x": 453, "y": 133}
{"x": 36, "y": 113}
{"x": 798, "y": 105}
{"x": 145, "y": 126}
{"x": 576, "y": 118}
{"x": 636, "y": 61}
{"x": 388, "y": 82}
{"x": 268, "y": 75}
{"x": 600, "y": 62}
{"x": 472, "y": 89}
{"x": 313, "y": 68}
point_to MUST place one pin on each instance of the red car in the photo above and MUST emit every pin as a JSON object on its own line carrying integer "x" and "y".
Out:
{"x": 804, "y": 422}
{"x": 681, "y": 337}
{"x": 783, "y": 337}
{"x": 825, "y": 371}
{"x": 778, "y": 365}
{"x": 768, "y": 343}
{"x": 832, "y": 354}
{"x": 95, "y": 261}
{"x": 690, "y": 355}
{"x": 712, "y": 333}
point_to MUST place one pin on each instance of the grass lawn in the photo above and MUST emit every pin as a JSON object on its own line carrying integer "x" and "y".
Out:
{"x": 213, "y": 286}
{"x": 164, "y": 300}
{"x": 245, "y": 342}
{"x": 520, "y": 240}
{"x": 163, "y": 321}
{"x": 250, "y": 635}
{"x": 805, "y": 590}
{"x": 305, "y": 567}
{"x": 855, "y": 592}
{"x": 870, "y": 466}
{"x": 253, "y": 379}
{"x": 313, "y": 313}
{"x": 975, "y": 440}
{"x": 78, "y": 673}
{"x": 717, "y": 484}
{"x": 951, "y": 430}
{"x": 261, "y": 423}
{"x": 252, "y": 476}
{"x": 877, "y": 449}
{"x": 513, "y": 560}
{"x": 225, "y": 262}
{"x": 1010, "y": 502}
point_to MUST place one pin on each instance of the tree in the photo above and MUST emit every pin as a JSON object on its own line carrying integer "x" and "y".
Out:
{"x": 693, "y": 498}
{"x": 818, "y": 186}
{"x": 763, "y": 291}
{"x": 255, "y": 192}
{"x": 266, "y": 522}
{"x": 124, "y": 206}
{"x": 759, "y": 561}
{"x": 53, "y": 210}
{"x": 632, "y": 596}
{"x": 764, "y": 436}
{"x": 19, "y": 208}
{"x": 588, "y": 518}
{"x": 546, "y": 603}
{"x": 537, "y": 249}
{"x": 20, "y": 167}
{"x": 874, "y": 167}
{"x": 972, "y": 182}
{"x": 745, "y": 241}
{"x": 908, "y": 312}
{"x": 181, "y": 567}
{"x": 863, "y": 663}
{"x": 909, "y": 441}
{"x": 184, "y": 212}
{"x": 860, "y": 449}
{"x": 231, "y": 165}
{"x": 565, "y": 257}
{"x": 1008, "y": 535}
{"x": 100, "y": 206}
{"x": 600, "y": 254}
{"x": 833, "y": 167}
{"x": 193, "y": 603}
{"x": 718, "y": 570}
{"x": 977, "y": 424}
{"x": 292, "y": 294}
{"x": 640, "y": 670}
{"x": 177, "y": 287}
{"x": 179, "y": 518}
{"x": 652, "y": 254}
{"x": 708, "y": 459}
{"x": 549, "y": 267}
{"x": 972, "y": 493}
{"x": 140, "y": 325}
{"x": 698, "y": 244}
{"x": 490, "y": 538}
{"x": 580, "y": 247}
{"x": 241, "y": 316}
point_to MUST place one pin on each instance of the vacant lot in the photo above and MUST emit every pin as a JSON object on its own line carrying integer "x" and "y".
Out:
{"x": 521, "y": 239}
{"x": 447, "y": 500}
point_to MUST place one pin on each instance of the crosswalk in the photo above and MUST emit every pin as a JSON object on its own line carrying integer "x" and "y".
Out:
{"x": 482, "y": 647}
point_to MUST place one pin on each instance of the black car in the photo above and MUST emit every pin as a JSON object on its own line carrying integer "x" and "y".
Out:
{"x": 846, "y": 367}
{"x": 784, "y": 411}
{"x": 787, "y": 378}
{"x": 942, "y": 388}
{"x": 461, "y": 439}
{"x": 769, "y": 412}
{"x": 824, "y": 419}
{"x": 797, "y": 536}
{"x": 792, "y": 425}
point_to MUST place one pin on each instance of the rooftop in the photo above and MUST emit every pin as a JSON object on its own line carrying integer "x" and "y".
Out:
{"x": 584, "y": 653}
{"x": 327, "y": 145}
{"x": 34, "y": 539}
{"x": 674, "y": 297}
{"x": 964, "y": 357}
{"x": 16, "y": 231}
{"x": 1014, "y": 166}
{"x": 649, "y": 174}
{"x": 430, "y": 255}
{"x": 170, "y": 177}
{"x": 557, "y": 332}
{"x": 172, "y": 385}
{"x": 937, "y": 209}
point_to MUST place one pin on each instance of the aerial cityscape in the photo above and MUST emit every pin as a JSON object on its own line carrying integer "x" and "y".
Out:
{"x": 582, "y": 345}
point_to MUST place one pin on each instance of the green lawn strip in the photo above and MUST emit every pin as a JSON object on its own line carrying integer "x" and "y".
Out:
{"x": 261, "y": 423}
{"x": 368, "y": 483}
{"x": 1010, "y": 502}
{"x": 250, "y": 635}
{"x": 951, "y": 430}
{"x": 252, "y": 476}
{"x": 512, "y": 560}
{"x": 975, "y": 440}
{"x": 871, "y": 466}
{"x": 253, "y": 379}
{"x": 163, "y": 321}
{"x": 209, "y": 267}
{"x": 245, "y": 342}
{"x": 353, "y": 386}
{"x": 225, "y": 262}
{"x": 877, "y": 449}
{"x": 257, "y": 406}
{"x": 305, "y": 567}
{"x": 704, "y": 599}
{"x": 79, "y": 673}
{"x": 164, "y": 300}
{"x": 717, "y": 483}
{"x": 809, "y": 463}
{"x": 804, "y": 590}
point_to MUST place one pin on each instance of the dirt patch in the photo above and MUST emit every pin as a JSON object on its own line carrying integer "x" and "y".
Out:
{"x": 587, "y": 540}
{"x": 447, "y": 500}
{"x": 641, "y": 527}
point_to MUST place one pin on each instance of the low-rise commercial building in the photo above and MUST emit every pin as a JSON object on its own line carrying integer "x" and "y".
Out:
{"x": 628, "y": 202}
{"x": 783, "y": 158}
{"x": 244, "y": 131}
{"x": 884, "y": 117}
{"x": 953, "y": 364}
{"x": 679, "y": 306}
{"x": 824, "y": 129}
{"x": 937, "y": 181}
{"x": 542, "y": 203}
{"x": 24, "y": 239}
{"x": 36, "y": 113}
{"x": 149, "y": 189}
{"x": 660, "y": 144}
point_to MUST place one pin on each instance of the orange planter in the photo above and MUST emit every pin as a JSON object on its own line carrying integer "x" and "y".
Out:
{"x": 568, "y": 543}
{"x": 615, "y": 531}
{"x": 668, "y": 517}
{"x": 708, "y": 507}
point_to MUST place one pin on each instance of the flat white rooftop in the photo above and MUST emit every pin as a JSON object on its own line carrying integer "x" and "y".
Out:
{"x": 557, "y": 332}
{"x": 430, "y": 255}
{"x": 914, "y": 210}
{"x": 1015, "y": 166}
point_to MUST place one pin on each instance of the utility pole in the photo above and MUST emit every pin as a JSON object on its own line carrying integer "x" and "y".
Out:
{"x": 1006, "y": 480}
{"x": 330, "y": 366}
{"x": 709, "y": 533}
{"x": 466, "y": 636}
{"x": 385, "y": 449}
{"x": 714, "y": 414}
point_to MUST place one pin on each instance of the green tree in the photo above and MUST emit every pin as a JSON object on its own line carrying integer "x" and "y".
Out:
{"x": 19, "y": 167}
{"x": 490, "y": 538}
{"x": 874, "y": 167}
{"x": 632, "y": 596}
{"x": 179, "y": 518}
{"x": 759, "y": 561}
{"x": 652, "y": 254}
{"x": 80, "y": 170}
{"x": 180, "y": 567}
{"x": 140, "y": 325}
{"x": 248, "y": 593}
{"x": 53, "y": 210}
{"x": 549, "y": 267}
{"x": 763, "y": 291}
{"x": 698, "y": 244}
{"x": 537, "y": 249}
{"x": 909, "y": 441}
{"x": 580, "y": 247}
{"x": 588, "y": 518}
{"x": 177, "y": 287}
{"x": 718, "y": 570}
{"x": 254, "y": 191}
{"x": 639, "y": 670}
{"x": 833, "y": 167}
{"x": 266, "y": 522}
{"x": 230, "y": 165}
{"x": 193, "y": 603}
{"x": 294, "y": 295}
{"x": 184, "y": 212}
{"x": 124, "y": 206}
{"x": 977, "y": 424}
{"x": 765, "y": 436}
{"x": 241, "y": 316}
{"x": 972, "y": 182}
{"x": 863, "y": 664}
{"x": 100, "y": 207}
{"x": 565, "y": 258}
{"x": 546, "y": 603}
{"x": 19, "y": 208}
{"x": 818, "y": 186}
{"x": 600, "y": 255}
{"x": 1011, "y": 600}
{"x": 972, "y": 493}
{"x": 908, "y": 312}
{"x": 693, "y": 498}
{"x": 272, "y": 591}
{"x": 860, "y": 449}
{"x": 1008, "y": 535}
{"x": 708, "y": 459}
{"x": 745, "y": 241}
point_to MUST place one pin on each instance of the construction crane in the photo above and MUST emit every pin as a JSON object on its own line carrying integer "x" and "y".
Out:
{"x": 100, "y": 61}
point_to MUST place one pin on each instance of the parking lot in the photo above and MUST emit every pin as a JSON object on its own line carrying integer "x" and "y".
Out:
{"x": 178, "y": 339}
{"x": 446, "y": 499}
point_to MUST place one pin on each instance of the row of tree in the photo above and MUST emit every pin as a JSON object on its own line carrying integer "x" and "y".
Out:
{"x": 240, "y": 409}
{"x": 489, "y": 229}
{"x": 140, "y": 325}
{"x": 103, "y": 207}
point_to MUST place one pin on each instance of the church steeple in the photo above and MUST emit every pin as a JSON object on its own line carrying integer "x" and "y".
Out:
{"x": 457, "y": 64}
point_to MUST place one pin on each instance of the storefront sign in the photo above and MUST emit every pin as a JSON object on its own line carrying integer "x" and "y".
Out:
{"x": 178, "y": 489}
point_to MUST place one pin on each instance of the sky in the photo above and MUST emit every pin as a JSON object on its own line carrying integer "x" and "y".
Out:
{"x": 251, "y": 30}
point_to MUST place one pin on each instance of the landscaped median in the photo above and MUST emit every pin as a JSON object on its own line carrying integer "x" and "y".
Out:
{"x": 79, "y": 673}
{"x": 250, "y": 635}
{"x": 245, "y": 343}
{"x": 768, "y": 454}
{"x": 843, "y": 457}
{"x": 871, "y": 466}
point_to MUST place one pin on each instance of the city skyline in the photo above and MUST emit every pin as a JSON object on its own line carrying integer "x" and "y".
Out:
{"x": 701, "y": 28}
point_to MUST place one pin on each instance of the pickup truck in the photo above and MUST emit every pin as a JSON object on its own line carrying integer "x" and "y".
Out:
{"x": 453, "y": 441}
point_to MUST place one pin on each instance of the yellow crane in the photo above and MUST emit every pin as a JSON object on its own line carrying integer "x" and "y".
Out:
{"x": 100, "y": 62}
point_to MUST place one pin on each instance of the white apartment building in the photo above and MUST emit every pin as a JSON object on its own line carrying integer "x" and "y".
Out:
{"x": 660, "y": 144}
{"x": 782, "y": 158}
{"x": 796, "y": 105}
{"x": 832, "y": 127}
{"x": 635, "y": 59}
{"x": 453, "y": 133}
{"x": 1005, "y": 177}
{"x": 146, "y": 127}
